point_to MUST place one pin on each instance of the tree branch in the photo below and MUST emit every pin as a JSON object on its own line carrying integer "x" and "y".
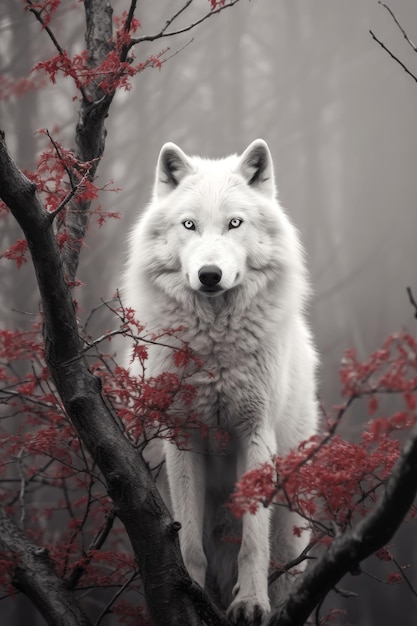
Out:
{"x": 47, "y": 29}
{"x": 112, "y": 600}
{"x": 96, "y": 544}
{"x": 392, "y": 55}
{"x": 34, "y": 574}
{"x": 406, "y": 37}
{"x": 352, "y": 547}
{"x": 136, "y": 500}
{"x": 90, "y": 132}
{"x": 412, "y": 300}
{"x": 162, "y": 33}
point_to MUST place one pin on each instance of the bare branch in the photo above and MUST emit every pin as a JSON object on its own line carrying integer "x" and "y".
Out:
{"x": 174, "y": 54}
{"x": 96, "y": 544}
{"x": 74, "y": 190}
{"x": 412, "y": 300}
{"x": 391, "y": 12}
{"x": 61, "y": 159}
{"x": 112, "y": 600}
{"x": 22, "y": 491}
{"x": 162, "y": 33}
{"x": 345, "y": 593}
{"x": 405, "y": 577}
{"x": 288, "y": 566}
{"x": 392, "y": 55}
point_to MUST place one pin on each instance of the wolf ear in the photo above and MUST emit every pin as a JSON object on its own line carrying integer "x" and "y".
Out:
{"x": 256, "y": 167}
{"x": 173, "y": 165}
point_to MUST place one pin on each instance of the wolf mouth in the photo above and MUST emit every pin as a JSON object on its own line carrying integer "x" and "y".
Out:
{"x": 211, "y": 291}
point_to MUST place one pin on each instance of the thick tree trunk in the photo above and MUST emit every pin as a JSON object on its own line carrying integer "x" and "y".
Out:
{"x": 136, "y": 499}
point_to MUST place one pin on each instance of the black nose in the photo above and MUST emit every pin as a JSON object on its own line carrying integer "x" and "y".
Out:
{"x": 209, "y": 275}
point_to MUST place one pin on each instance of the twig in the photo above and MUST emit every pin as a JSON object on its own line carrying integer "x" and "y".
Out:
{"x": 74, "y": 186}
{"x": 114, "y": 598}
{"x": 174, "y": 17}
{"x": 22, "y": 490}
{"x": 30, "y": 399}
{"x": 45, "y": 27}
{"x": 405, "y": 577}
{"x": 52, "y": 37}
{"x": 345, "y": 593}
{"x": 93, "y": 311}
{"x": 69, "y": 196}
{"x": 392, "y": 55}
{"x": 285, "y": 568}
{"x": 412, "y": 301}
{"x": 174, "y": 54}
{"x": 96, "y": 544}
{"x": 60, "y": 157}
{"x": 163, "y": 33}
{"x": 391, "y": 12}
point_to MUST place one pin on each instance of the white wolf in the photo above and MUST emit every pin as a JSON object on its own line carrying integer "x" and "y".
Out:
{"x": 215, "y": 253}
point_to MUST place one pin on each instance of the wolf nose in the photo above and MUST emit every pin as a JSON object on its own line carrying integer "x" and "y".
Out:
{"x": 210, "y": 275}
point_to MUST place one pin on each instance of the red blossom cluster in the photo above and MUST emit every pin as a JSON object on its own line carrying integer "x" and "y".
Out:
{"x": 17, "y": 252}
{"x": 59, "y": 174}
{"x": 17, "y": 88}
{"x": 327, "y": 483}
{"x": 159, "y": 406}
{"x": 332, "y": 482}
{"x": 335, "y": 476}
{"x": 110, "y": 75}
{"x": 390, "y": 369}
{"x": 57, "y": 171}
{"x": 113, "y": 73}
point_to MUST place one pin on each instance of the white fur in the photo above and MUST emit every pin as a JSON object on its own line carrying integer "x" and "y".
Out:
{"x": 258, "y": 378}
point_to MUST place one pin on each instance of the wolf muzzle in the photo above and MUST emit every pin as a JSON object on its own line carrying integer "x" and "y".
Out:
{"x": 210, "y": 277}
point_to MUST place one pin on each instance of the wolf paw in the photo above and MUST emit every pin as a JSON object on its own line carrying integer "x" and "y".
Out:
{"x": 248, "y": 610}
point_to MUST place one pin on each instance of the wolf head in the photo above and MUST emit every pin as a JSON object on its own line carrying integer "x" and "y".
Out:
{"x": 214, "y": 226}
{"x": 213, "y": 204}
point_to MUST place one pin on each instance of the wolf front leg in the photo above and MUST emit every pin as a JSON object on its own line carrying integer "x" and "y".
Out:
{"x": 251, "y": 603}
{"x": 186, "y": 478}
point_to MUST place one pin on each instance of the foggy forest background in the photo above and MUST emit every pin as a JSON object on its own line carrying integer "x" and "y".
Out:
{"x": 340, "y": 118}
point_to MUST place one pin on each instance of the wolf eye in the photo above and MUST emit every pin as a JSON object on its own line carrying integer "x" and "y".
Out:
{"x": 188, "y": 224}
{"x": 235, "y": 223}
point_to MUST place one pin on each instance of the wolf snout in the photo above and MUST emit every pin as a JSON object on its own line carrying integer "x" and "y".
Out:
{"x": 210, "y": 275}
